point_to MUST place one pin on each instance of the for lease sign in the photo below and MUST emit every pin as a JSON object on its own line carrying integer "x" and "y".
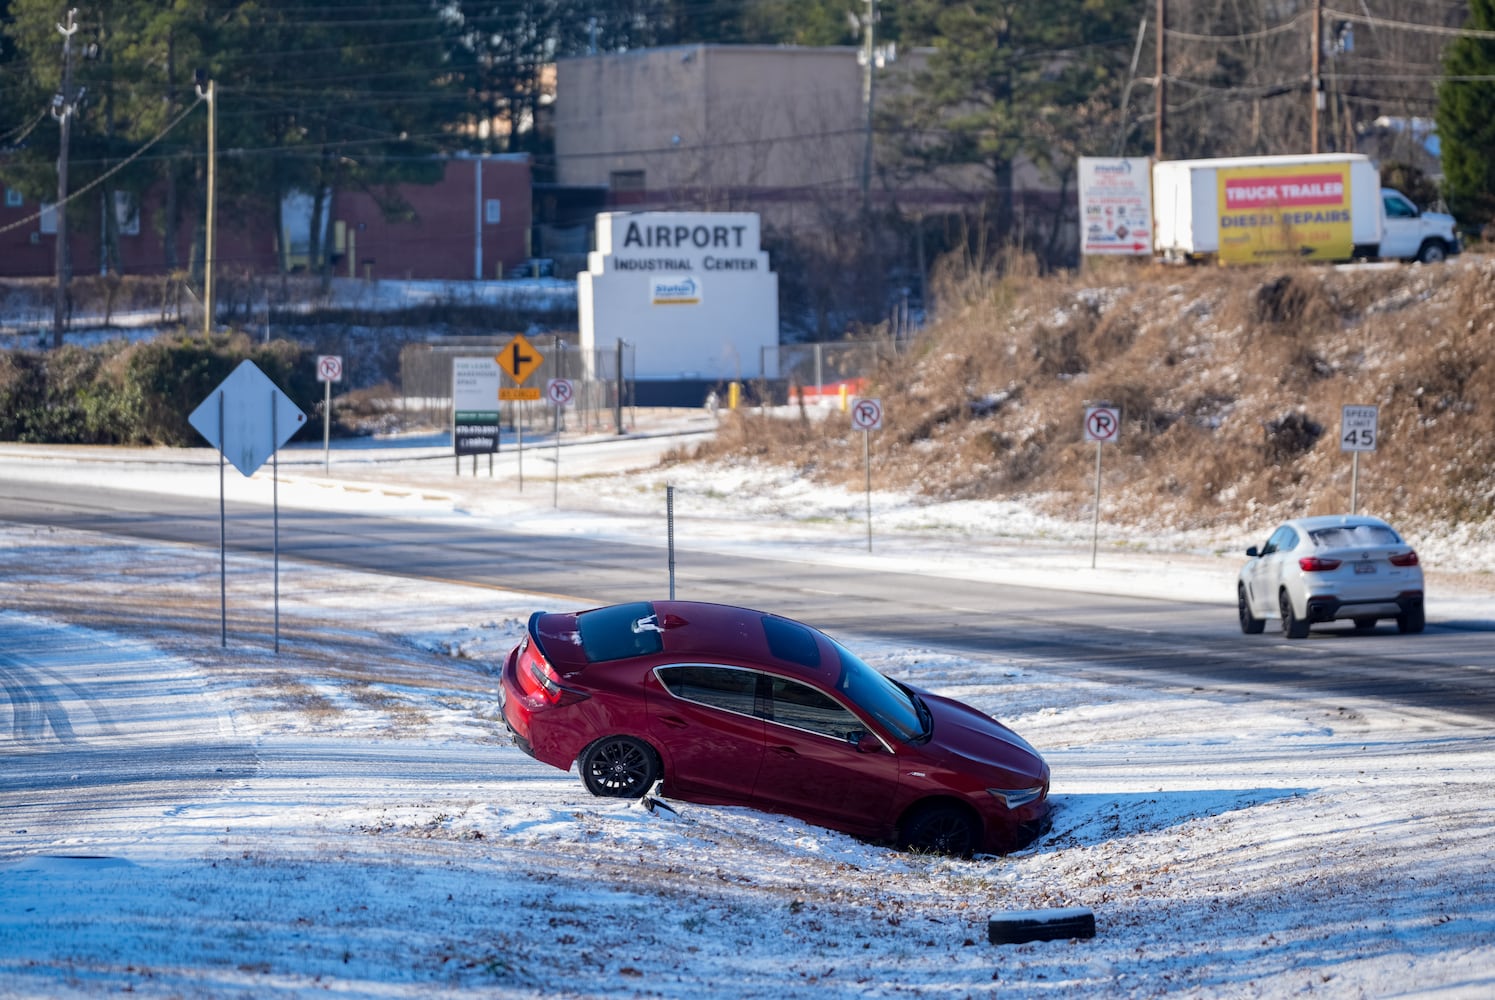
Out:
{"x": 1272, "y": 212}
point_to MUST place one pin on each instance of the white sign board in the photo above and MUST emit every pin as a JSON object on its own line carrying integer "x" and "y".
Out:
{"x": 866, "y": 415}
{"x": 329, "y": 368}
{"x": 1102, "y": 423}
{"x": 690, "y": 292}
{"x": 1357, "y": 428}
{"x": 247, "y": 417}
{"x": 561, "y": 391}
{"x": 1115, "y": 205}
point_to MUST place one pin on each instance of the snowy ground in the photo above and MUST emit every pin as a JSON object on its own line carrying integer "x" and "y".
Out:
{"x": 350, "y": 818}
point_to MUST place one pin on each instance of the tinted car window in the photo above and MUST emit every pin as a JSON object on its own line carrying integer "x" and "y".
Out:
{"x": 880, "y": 697}
{"x": 619, "y": 632}
{"x": 720, "y": 687}
{"x": 803, "y": 707}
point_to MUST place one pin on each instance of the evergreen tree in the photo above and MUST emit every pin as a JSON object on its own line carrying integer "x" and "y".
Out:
{"x": 1466, "y": 129}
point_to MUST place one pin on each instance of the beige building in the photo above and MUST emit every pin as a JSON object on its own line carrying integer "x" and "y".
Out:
{"x": 774, "y": 129}
{"x": 710, "y": 126}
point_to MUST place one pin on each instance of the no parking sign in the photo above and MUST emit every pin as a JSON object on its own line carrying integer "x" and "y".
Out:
{"x": 1102, "y": 423}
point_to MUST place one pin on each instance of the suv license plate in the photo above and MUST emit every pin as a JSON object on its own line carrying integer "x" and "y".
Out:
{"x": 1365, "y": 567}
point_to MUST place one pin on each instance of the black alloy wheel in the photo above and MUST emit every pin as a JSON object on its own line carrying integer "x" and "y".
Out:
{"x": 942, "y": 828}
{"x": 619, "y": 767}
{"x": 1292, "y": 626}
{"x": 1250, "y": 624}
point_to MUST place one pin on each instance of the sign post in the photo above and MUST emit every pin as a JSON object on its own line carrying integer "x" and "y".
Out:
{"x": 519, "y": 359}
{"x": 247, "y": 418}
{"x": 1357, "y": 433}
{"x": 866, "y": 416}
{"x": 329, "y": 370}
{"x": 1102, "y": 424}
{"x": 562, "y": 393}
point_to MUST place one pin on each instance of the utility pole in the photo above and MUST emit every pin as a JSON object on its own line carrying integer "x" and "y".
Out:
{"x": 209, "y": 239}
{"x": 1159, "y": 98}
{"x": 63, "y": 106}
{"x": 1315, "y": 79}
{"x": 868, "y": 56}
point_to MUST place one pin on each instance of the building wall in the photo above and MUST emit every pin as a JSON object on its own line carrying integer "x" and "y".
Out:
{"x": 709, "y": 120}
{"x": 440, "y": 239}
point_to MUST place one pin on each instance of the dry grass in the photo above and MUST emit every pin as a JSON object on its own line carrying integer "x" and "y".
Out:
{"x": 1230, "y": 383}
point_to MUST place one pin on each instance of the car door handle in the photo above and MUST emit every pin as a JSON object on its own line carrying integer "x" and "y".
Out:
{"x": 784, "y": 751}
{"x": 674, "y": 722}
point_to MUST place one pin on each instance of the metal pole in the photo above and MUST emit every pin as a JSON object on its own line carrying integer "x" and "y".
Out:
{"x": 867, "y": 464}
{"x": 327, "y": 427}
{"x": 555, "y": 488}
{"x": 1095, "y": 526}
{"x": 275, "y": 507}
{"x": 1354, "y": 481}
{"x": 519, "y": 447}
{"x": 669, "y": 508}
{"x": 1315, "y": 79}
{"x": 618, "y": 405}
{"x": 222, "y": 538}
{"x": 1159, "y": 97}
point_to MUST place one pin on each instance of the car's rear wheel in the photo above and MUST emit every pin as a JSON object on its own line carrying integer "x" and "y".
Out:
{"x": 941, "y": 828}
{"x": 619, "y": 767}
{"x": 1250, "y": 624}
{"x": 1292, "y": 626}
{"x": 1412, "y": 620}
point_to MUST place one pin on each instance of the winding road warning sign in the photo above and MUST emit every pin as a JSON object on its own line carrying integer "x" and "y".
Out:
{"x": 1102, "y": 423}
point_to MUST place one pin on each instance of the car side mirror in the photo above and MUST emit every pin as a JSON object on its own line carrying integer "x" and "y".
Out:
{"x": 863, "y": 741}
{"x": 1252, "y": 552}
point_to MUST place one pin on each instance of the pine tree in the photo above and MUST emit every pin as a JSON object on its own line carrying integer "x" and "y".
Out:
{"x": 1466, "y": 128}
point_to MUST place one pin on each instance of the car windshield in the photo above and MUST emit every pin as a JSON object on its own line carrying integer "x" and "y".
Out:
{"x": 891, "y": 704}
{"x": 1351, "y": 535}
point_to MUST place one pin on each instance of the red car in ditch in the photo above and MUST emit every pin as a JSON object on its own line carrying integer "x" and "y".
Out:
{"x": 730, "y": 706}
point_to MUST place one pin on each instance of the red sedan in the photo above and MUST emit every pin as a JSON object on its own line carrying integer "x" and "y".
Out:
{"x": 730, "y": 706}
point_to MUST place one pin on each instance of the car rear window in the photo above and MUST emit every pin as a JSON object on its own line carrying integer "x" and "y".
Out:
{"x": 791, "y": 641}
{"x": 1348, "y": 535}
{"x": 619, "y": 632}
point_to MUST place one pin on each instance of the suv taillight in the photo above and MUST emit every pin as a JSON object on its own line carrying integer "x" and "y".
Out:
{"x": 1316, "y": 564}
{"x": 1404, "y": 559}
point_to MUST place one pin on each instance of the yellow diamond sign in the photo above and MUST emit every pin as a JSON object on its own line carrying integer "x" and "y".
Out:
{"x": 519, "y": 358}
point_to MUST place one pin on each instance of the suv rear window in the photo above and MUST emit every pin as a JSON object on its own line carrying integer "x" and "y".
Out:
{"x": 619, "y": 632}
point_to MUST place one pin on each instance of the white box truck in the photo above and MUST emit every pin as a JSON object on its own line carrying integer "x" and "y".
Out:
{"x": 1326, "y": 206}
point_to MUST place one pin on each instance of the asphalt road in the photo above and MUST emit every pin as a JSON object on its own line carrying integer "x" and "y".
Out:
{"x": 1450, "y": 667}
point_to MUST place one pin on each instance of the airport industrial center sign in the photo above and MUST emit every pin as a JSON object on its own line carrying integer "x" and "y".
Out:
{"x": 690, "y": 291}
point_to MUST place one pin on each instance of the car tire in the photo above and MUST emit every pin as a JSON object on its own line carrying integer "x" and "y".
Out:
{"x": 1250, "y": 624}
{"x": 941, "y": 828}
{"x": 1411, "y": 621}
{"x": 1293, "y": 627}
{"x": 619, "y": 767}
{"x": 1432, "y": 252}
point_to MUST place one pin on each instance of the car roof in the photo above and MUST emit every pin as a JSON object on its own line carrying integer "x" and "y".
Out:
{"x": 682, "y": 629}
{"x": 1335, "y": 521}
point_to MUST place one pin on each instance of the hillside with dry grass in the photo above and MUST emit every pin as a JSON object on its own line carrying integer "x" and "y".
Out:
{"x": 1230, "y": 384}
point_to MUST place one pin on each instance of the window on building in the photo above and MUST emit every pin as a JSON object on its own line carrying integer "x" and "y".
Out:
{"x": 126, "y": 213}
{"x": 627, "y": 180}
{"x": 13, "y": 198}
{"x": 492, "y": 211}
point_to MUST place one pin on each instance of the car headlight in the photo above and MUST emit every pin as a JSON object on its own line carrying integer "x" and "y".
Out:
{"x": 1016, "y": 798}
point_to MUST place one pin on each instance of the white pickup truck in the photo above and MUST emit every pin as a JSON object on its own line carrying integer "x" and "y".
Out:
{"x": 1328, "y": 206}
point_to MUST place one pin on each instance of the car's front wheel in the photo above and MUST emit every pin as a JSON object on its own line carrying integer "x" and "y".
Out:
{"x": 1250, "y": 624}
{"x": 942, "y": 828}
{"x": 619, "y": 767}
{"x": 1292, "y": 626}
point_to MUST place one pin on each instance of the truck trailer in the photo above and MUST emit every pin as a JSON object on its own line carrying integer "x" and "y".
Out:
{"x": 1254, "y": 209}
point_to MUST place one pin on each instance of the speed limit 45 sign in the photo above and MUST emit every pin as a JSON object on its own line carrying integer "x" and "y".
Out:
{"x": 1357, "y": 428}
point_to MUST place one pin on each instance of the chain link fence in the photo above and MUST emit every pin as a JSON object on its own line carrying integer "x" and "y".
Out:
{"x": 604, "y": 382}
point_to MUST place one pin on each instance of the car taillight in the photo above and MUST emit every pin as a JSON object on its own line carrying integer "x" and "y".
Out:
{"x": 538, "y": 679}
{"x": 1316, "y": 564}
{"x": 1404, "y": 559}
